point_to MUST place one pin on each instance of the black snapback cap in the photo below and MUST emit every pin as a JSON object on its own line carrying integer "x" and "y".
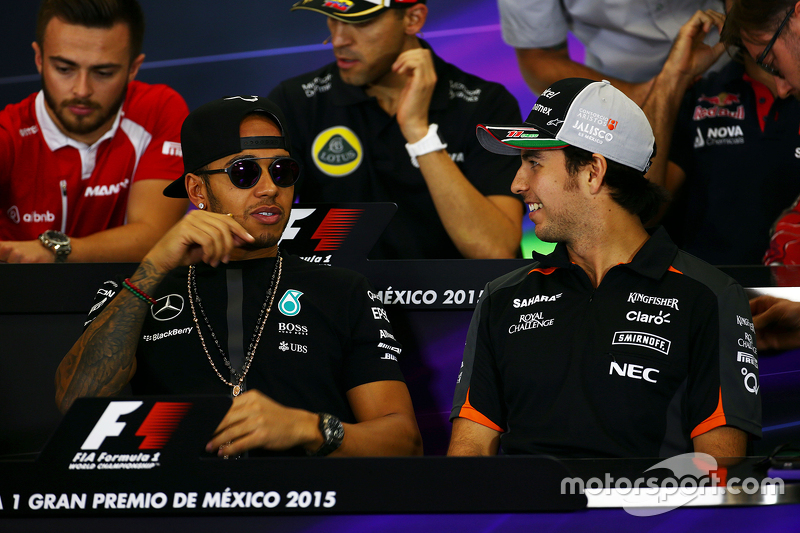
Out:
{"x": 211, "y": 132}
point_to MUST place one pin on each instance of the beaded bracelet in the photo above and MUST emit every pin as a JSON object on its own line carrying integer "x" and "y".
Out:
{"x": 138, "y": 292}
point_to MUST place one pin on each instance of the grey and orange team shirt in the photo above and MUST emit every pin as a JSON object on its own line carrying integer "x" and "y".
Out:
{"x": 661, "y": 352}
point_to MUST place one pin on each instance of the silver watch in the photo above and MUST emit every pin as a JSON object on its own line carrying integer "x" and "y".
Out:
{"x": 58, "y": 243}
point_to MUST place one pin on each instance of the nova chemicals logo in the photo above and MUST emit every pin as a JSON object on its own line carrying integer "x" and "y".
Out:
{"x": 337, "y": 151}
{"x": 290, "y": 303}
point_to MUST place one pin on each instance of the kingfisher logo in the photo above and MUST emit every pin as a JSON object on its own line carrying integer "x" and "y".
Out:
{"x": 337, "y": 151}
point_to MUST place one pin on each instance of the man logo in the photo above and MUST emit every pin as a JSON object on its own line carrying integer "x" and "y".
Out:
{"x": 167, "y": 307}
{"x": 290, "y": 303}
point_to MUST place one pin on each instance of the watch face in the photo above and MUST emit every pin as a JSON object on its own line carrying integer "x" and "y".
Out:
{"x": 333, "y": 429}
{"x": 56, "y": 237}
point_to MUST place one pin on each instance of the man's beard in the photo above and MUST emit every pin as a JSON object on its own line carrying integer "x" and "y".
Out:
{"x": 81, "y": 125}
{"x": 261, "y": 241}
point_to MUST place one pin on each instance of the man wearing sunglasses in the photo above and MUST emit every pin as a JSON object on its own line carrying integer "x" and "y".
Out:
{"x": 390, "y": 121}
{"x": 83, "y": 161}
{"x": 724, "y": 141}
{"x": 306, "y": 351}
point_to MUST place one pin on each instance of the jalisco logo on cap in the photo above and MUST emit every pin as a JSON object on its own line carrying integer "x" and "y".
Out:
{"x": 337, "y": 151}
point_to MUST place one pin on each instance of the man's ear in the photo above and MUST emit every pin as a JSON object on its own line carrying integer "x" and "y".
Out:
{"x": 37, "y": 56}
{"x": 415, "y": 18}
{"x": 196, "y": 189}
{"x": 597, "y": 173}
{"x": 134, "y": 69}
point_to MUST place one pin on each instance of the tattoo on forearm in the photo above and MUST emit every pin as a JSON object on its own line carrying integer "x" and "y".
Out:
{"x": 102, "y": 361}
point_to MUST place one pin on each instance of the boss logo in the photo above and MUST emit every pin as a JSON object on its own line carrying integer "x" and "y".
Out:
{"x": 296, "y": 329}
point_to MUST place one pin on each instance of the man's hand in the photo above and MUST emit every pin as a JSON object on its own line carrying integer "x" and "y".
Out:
{"x": 690, "y": 57}
{"x": 777, "y": 323}
{"x": 25, "y": 252}
{"x": 198, "y": 236}
{"x": 257, "y": 421}
{"x": 415, "y": 98}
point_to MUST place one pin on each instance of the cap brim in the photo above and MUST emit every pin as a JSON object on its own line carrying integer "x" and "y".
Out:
{"x": 509, "y": 140}
{"x": 361, "y": 15}
{"x": 177, "y": 189}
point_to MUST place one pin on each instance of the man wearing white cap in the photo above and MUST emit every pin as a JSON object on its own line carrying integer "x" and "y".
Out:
{"x": 617, "y": 344}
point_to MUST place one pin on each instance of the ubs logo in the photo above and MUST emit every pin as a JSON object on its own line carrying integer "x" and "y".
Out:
{"x": 167, "y": 307}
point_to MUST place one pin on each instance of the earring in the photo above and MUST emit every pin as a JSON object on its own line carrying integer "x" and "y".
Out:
{"x": 201, "y": 205}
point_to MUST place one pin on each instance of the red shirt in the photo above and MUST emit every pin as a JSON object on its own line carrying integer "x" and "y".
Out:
{"x": 50, "y": 181}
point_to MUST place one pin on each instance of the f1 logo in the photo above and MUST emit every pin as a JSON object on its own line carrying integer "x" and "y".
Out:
{"x": 157, "y": 427}
{"x": 107, "y": 425}
{"x": 290, "y": 232}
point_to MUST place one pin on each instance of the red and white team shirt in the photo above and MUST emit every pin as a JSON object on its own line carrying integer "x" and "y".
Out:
{"x": 50, "y": 181}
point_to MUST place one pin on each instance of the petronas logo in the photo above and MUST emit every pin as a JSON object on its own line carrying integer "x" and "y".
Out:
{"x": 337, "y": 151}
{"x": 290, "y": 303}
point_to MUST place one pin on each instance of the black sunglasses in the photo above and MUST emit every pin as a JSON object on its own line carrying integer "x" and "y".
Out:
{"x": 769, "y": 69}
{"x": 245, "y": 173}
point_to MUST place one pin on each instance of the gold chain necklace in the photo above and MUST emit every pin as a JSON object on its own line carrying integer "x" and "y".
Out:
{"x": 260, "y": 323}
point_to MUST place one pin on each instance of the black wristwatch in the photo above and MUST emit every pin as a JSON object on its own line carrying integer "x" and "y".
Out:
{"x": 58, "y": 243}
{"x": 332, "y": 431}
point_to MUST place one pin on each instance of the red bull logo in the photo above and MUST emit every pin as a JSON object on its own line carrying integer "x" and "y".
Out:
{"x": 721, "y": 100}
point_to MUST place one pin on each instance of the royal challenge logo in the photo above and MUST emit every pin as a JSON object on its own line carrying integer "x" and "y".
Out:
{"x": 337, "y": 151}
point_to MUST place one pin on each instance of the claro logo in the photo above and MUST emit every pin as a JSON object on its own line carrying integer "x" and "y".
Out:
{"x": 157, "y": 428}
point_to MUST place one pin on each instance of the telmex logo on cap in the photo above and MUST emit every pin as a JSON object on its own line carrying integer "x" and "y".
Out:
{"x": 337, "y": 151}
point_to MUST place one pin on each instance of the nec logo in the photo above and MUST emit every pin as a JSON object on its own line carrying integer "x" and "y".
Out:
{"x": 157, "y": 428}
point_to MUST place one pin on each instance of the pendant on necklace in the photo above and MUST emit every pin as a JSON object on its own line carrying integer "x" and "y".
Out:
{"x": 237, "y": 389}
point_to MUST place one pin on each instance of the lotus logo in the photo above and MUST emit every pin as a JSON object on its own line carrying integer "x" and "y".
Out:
{"x": 167, "y": 307}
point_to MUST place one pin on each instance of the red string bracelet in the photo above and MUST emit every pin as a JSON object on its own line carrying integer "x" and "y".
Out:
{"x": 138, "y": 292}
